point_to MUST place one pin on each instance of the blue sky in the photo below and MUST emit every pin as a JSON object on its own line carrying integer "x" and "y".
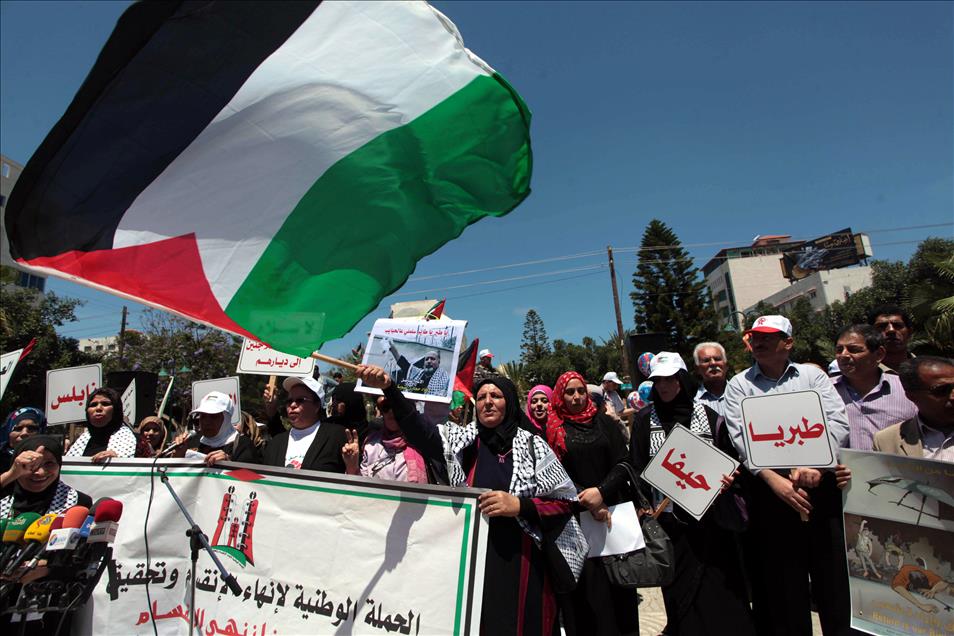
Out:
{"x": 725, "y": 120}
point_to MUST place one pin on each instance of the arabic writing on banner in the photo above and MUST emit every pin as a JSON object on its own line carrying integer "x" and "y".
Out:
{"x": 421, "y": 356}
{"x": 229, "y": 386}
{"x": 8, "y": 362}
{"x": 899, "y": 537}
{"x": 312, "y": 552}
{"x": 689, "y": 471}
{"x": 782, "y": 430}
{"x": 67, "y": 390}
{"x": 259, "y": 359}
{"x": 128, "y": 398}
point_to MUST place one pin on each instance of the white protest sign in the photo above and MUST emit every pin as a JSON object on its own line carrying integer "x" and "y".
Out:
{"x": 784, "y": 430}
{"x": 625, "y": 535}
{"x": 419, "y": 355}
{"x": 128, "y": 399}
{"x": 259, "y": 359}
{"x": 229, "y": 386}
{"x": 8, "y": 362}
{"x": 67, "y": 390}
{"x": 314, "y": 553}
{"x": 689, "y": 471}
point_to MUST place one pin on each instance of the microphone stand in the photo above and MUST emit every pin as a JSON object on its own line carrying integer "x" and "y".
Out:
{"x": 197, "y": 540}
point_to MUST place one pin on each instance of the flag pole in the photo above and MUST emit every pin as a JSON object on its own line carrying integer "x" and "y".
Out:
{"x": 334, "y": 361}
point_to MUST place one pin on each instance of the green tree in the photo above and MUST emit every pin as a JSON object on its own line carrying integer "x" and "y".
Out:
{"x": 28, "y": 314}
{"x": 670, "y": 296}
{"x": 535, "y": 344}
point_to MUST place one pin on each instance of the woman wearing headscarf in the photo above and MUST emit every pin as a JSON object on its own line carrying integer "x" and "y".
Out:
{"x": 20, "y": 424}
{"x": 708, "y": 593}
{"x": 538, "y": 408}
{"x": 35, "y": 474}
{"x": 591, "y": 446}
{"x": 347, "y": 409}
{"x": 219, "y": 440}
{"x": 106, "y": 434}
{"x": 386, "y": 453}
{"x": 153, "y": 430}
{"x": 534, "y": 545}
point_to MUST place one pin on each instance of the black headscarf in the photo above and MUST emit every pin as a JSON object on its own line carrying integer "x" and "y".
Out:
{"x": 38, "y": 502}
{"x": 678, "y": 411}
{"x": 99, "y": 435}
{"x": 499, "y": 439}
{"x": 355, "y": 415}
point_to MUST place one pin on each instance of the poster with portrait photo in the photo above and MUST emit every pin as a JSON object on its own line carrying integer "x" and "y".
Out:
{"x": 419, "y": 355}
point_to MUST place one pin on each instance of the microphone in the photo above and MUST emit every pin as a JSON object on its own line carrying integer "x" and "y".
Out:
{"x": 105, "y": 523}
{"x": 191, "y": 435}
{"x": 67, "y": 537}
{"x": 13, "y": 534}
{"x": 35, "y": 538}
{"x": 103, "y": 510}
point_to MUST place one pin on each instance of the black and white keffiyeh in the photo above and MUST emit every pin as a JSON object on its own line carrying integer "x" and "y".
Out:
{"x": 698, "y": 425}
{"x": 123, "y": 442}
{"x": 536, "y": 473}
{"x": 64, "y": 498}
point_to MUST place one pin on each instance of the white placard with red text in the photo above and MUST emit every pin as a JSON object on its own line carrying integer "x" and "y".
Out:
{"x": 259, "y": 359}
{"x": 783, "y": 430}
{"x": 229, "y": 386}
{"x": 67, "y": 390}
{"x": 689, "y": 471}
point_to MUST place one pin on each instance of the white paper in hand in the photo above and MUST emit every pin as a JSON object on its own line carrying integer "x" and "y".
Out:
{"x": 625, "y": 536}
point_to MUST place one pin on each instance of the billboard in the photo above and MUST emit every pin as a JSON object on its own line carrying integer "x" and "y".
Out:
{"x": 832, "y": 251}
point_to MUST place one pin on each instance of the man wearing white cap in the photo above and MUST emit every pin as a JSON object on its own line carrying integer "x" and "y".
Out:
{"x": 309, "y": 444}
{"x": 219, "y": 439}
{"x": 615, "y": 406}
{"x": 781, "y": 498}
{"x": 485, "y": 366}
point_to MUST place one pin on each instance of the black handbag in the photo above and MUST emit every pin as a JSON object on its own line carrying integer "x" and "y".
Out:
{"x": 651, "y": 566}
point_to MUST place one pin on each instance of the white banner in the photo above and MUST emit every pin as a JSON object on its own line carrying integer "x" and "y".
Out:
{"x": 128, "y": 399}
{"x": 259, "y": 359}
{"x": 314, "y": 553}
{"x": 899, "y": 535}
{"x": 229, "y": 386}
{"x": 689, "y": 471}
{"x": 67, "y": 390}
{"x": 8, "y": 362}
{"x": 783, "y": 430}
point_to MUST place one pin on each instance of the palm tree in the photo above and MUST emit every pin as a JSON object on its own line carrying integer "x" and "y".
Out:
{"x": 932, "y": 303}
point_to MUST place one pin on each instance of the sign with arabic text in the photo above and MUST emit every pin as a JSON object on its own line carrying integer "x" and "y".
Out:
{"x": 689, "y": 471}
{"x": 128, "y": 399}
{"x": 314, "y": 553}
{"x": 784, "y": 430}
{"x": 229, "y": 386}
{"x": 899, "y": 539}
{"x": 259, "y": 359}
{"x": 8, "y": 362}
{"x": 67, "y": 390}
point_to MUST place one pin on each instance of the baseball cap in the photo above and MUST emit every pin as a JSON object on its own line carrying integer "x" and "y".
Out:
{"x": 485, "y": 353}
{"x": 665, "y": 364}
{"x": 215, "y": 402}
{"x": 612, "y": 377}
{"x": 772, "y": 324}
{"x": 310, "y": 383}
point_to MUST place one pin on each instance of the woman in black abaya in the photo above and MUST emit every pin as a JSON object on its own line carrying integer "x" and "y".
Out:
{"x": 708, "y": 594}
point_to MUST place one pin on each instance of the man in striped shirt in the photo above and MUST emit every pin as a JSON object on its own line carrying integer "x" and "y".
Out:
{"x": 874, "y": 400}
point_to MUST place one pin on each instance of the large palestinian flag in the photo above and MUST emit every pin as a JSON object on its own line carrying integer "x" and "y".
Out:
{"x": 270, "y": 168}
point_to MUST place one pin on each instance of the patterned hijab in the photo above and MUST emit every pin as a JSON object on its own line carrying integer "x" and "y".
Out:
{"x": 25, "y": 413}
{"x": 556, "y": 434}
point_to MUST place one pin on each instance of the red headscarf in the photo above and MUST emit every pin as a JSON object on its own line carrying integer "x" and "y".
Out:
{"x": 556, "y": 434}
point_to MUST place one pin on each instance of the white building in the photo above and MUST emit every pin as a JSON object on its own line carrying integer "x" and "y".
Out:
{"x": 106, "y": 344}
{"x": 820, "y": 289}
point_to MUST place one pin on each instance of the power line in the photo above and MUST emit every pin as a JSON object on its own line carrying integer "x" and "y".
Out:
{"x": 501, "y": 280}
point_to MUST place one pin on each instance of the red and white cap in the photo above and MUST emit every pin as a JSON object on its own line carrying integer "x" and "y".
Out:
{"x": 485, "y": 353}
{"x": 772, "y": 324}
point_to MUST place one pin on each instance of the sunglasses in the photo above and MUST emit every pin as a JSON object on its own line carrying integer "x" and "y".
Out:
{"x": 298, "y": 400}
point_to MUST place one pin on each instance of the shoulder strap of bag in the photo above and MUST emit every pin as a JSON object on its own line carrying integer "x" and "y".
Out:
{"x": 634, "y": 484}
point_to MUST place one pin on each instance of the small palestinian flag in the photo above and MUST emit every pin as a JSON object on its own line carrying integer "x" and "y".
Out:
{"x": 466, "y": 364}
{"x": 273, "y": 169}
{"x": 435, "y": 312}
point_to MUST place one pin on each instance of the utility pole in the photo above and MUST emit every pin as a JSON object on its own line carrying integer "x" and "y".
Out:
{"x": 619, "y": 317}
{"x": 122, "y": 336}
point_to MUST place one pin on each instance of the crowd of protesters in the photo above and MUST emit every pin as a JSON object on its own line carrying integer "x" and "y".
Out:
{"x": 551, "y": 456}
